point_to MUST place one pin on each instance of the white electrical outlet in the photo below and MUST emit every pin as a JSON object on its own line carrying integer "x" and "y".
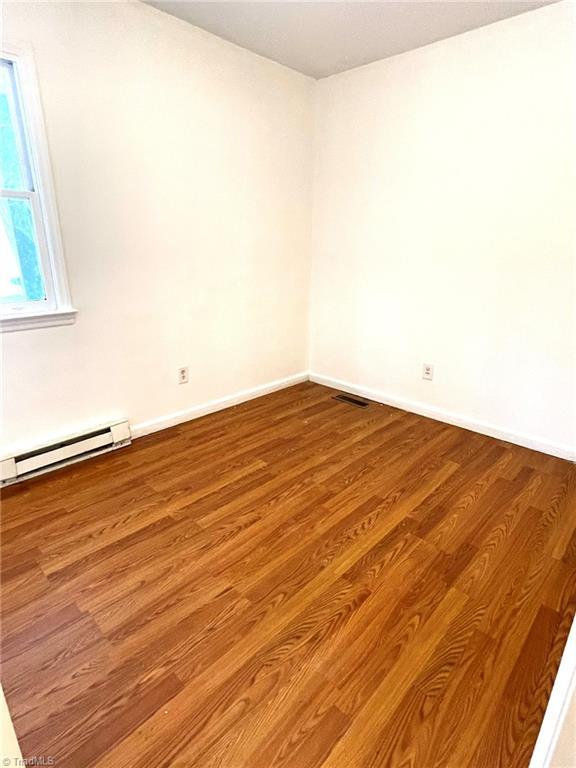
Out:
{"x": 428, "y": 372}
{"x": 183, "y": 375}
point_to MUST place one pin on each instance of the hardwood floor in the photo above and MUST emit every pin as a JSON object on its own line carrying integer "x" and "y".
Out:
{"x": 292, "y": 582}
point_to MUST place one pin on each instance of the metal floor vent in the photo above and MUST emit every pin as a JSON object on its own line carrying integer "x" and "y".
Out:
{"x": 352, "y": 400}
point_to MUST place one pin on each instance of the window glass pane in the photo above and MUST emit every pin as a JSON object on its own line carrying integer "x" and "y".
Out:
{"x": 14, "y": 166}
{"x": 20, "y": 273}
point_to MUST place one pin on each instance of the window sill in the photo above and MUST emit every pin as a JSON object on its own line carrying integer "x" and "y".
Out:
{"x": 37, "y": 320}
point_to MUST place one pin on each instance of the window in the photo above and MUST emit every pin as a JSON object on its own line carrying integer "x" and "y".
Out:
{"x": 33, "y": 289}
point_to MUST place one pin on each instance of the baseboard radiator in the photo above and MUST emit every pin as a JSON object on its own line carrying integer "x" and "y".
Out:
{"x": 64, "y": 451}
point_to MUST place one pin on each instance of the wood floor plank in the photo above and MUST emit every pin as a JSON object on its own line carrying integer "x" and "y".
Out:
{"x": 509, "y": 735}
{"x": 294, "y": 716}
{"x": 360, "y": 743}
{"x": 290, "y": 583}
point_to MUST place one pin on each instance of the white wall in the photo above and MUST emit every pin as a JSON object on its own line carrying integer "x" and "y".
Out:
{"x": 10, "y": 753}
{"x": 565, "y": 752}
{"x": 445, "y": 228}
{"x": 182, "y": 167}
{"x": 443, "y": 223}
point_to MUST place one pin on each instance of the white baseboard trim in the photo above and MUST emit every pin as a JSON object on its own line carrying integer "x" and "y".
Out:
{"x": 173, "y": 419}
{"x": 563, "y": 691}
{"x": 439, "y": 414}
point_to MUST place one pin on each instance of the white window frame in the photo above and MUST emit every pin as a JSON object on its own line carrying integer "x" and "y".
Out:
{"x": 57, "y": 309}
